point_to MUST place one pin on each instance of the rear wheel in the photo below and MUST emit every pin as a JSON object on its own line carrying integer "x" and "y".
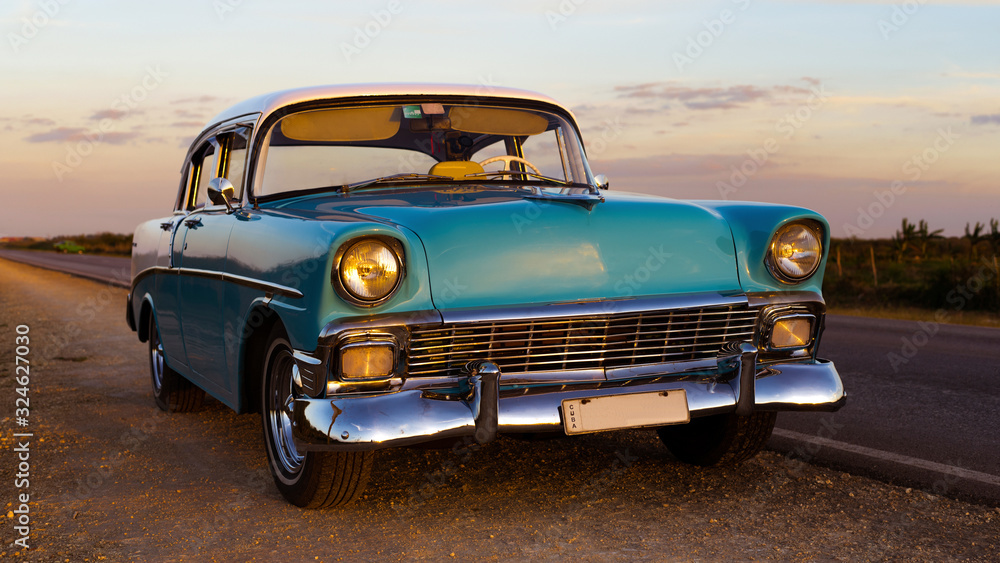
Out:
{"x": 722, "y": 439}
{"x": 306, "y": 479}
{"x": 171, "y": 391}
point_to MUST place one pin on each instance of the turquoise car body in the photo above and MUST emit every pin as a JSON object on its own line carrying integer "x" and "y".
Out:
{"x": 208, "y": 278}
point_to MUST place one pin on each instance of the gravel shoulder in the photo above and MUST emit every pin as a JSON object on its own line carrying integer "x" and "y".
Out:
{"x": 112, "y": 478}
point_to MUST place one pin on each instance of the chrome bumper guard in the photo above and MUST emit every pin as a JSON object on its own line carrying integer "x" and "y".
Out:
{"x": 480, "y": 408}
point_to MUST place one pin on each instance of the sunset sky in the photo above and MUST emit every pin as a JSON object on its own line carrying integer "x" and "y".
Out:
{"x": 828, "y": 105}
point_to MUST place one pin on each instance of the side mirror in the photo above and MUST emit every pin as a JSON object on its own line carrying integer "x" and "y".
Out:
{"x": 220, "y": 192}
{"x": 602, "y": 181}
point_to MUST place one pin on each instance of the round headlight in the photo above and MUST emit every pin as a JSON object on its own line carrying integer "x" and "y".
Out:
{"x": 796, "y": 251}
{"x": 370, "y": 270}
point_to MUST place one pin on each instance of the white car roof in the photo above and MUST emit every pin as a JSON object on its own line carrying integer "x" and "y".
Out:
{"x": 267, "y": 103}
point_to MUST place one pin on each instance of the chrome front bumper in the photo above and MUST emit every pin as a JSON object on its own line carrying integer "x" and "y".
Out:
{"x": 482, "y": 405}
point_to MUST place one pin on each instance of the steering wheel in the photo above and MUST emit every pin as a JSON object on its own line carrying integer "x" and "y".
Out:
{"x": 507, "y": 159}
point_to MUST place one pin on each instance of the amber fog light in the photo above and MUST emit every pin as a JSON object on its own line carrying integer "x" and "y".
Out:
{"x": 367, "y": 361}
{"x": 792, "y": 332}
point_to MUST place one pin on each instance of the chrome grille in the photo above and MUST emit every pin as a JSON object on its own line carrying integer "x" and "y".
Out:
{"x": 578, "y": 343}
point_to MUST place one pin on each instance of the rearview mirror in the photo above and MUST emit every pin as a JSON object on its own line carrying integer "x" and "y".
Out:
{"x": 221, "y": 192}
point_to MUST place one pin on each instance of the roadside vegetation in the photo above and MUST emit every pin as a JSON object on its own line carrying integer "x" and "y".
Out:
{"x": 918, "y": 274}
{"x": 112, "y": 244}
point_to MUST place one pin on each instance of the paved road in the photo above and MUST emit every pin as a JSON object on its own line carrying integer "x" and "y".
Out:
{"x": 923, "y": 407}
{"x": 114, "y": 270}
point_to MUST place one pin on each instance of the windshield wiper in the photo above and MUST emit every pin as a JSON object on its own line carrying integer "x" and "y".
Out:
{"x": 492, "y": 173}
{"x": 393, "y": 179}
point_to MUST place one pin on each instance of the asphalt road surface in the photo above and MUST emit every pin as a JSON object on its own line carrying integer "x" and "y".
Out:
{"x": 109, "y": 269}
{"x": 923, "y": 406}
{"x": 114, "y": 478}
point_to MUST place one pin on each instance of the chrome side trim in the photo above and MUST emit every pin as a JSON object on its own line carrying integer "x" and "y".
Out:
{"x": 265, "y": 286}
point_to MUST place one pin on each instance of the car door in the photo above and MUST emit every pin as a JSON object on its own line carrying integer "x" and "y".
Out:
{"x": 167, "y": 305}
{"x": 200, "y": 247}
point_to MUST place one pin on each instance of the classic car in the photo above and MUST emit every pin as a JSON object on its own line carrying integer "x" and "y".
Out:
{"x": 388, "y": 265}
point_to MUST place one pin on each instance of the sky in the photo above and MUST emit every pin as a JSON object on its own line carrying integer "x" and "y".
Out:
{"x": 865, "y": 112}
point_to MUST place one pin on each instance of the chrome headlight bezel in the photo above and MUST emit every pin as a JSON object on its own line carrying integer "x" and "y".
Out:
{"x": 774, "y": 262}
{"x": 394, "y": 246}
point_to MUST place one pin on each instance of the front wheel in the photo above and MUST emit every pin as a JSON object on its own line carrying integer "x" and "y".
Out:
{"x": 722, "y": 439}
{"x": 305, "y": 479}
{"x": 171, "y": 391}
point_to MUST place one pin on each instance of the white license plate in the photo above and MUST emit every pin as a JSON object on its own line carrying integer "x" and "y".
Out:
{"x": 613, "y": 412}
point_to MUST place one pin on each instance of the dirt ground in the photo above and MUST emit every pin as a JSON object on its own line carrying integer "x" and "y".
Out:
{"x": 114, "y": 479}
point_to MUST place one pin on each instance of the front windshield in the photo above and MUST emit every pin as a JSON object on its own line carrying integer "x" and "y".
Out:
{"x": 425, "y": 142}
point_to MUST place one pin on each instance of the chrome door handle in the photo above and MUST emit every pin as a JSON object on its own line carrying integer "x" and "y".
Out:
{"x": 193, "y": 222}
{"x": 167, "y": 226}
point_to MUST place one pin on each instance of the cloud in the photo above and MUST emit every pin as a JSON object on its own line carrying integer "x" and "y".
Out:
{"x": 709, "y": 98}
{"x": 697, "y": 98}
{"x": 196, "y": 100}
{"x": 189, "y": 114}
{"x": 986, "y": 119}
{"x": 187, "y": 124}
{"x": 28, "y": 120}
{"x": 71, "y": 134}
{"x": 58, "y": 134}
{"x": 109, "y": 114}
{"x": 120, "y": 138}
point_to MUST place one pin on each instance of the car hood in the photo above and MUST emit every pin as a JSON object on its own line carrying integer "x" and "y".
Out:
{"x": 488, "y": 248}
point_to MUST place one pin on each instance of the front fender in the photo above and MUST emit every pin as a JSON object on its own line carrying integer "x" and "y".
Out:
{"x": 752, "y": 225}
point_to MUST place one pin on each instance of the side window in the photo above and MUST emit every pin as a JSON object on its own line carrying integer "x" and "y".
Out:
{"x": 203, "y": 169}
{"x": 235, "y": 146}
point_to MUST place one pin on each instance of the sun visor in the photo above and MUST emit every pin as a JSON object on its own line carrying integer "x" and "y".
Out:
{"x": 342, "y": 125}
{"x": 496, "y": 121}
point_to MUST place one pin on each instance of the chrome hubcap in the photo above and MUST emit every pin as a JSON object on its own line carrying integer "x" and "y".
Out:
{"x": 156, "y": 361}
{"x": 279, "y": 406}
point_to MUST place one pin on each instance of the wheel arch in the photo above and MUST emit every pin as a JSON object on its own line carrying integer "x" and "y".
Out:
{"x": 145, "y": 313}
{"x": 256, "y": 327}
